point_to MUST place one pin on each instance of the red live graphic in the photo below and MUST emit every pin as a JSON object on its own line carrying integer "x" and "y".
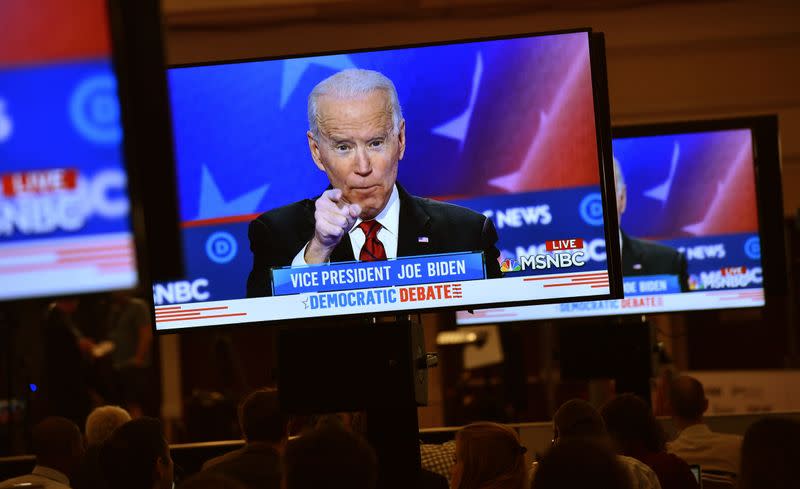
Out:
{"x": 564, "y": 244}
{"x": 39, "y": 181}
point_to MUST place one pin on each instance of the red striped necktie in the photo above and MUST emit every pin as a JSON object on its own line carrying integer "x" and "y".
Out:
{"x": 373, "y": 249}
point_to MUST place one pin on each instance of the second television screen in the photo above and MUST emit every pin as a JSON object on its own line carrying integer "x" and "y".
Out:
{"x": 307, "y": 190}
{"x": 689, "y": 220}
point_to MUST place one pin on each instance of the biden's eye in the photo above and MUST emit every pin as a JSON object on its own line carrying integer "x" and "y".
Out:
{"x": 376, "y": 143}
{"x": 342, "y": 147}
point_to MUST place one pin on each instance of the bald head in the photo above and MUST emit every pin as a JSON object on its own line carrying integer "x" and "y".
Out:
{"x": 58, "y": 444}
{"x": 688, "y": 399}
{"x": 578, "y": 419}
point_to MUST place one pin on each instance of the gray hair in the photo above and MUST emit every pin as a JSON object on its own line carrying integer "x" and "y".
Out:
{"x": 103, "y": 421}
{"x": 353, "y": 83}
{"x": 619, "y": 177}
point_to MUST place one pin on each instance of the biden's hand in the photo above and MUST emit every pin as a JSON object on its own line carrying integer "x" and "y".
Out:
{"x": 334, "y": 218}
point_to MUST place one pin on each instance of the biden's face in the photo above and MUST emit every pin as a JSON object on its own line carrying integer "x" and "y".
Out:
{"x": 358, "y": 149}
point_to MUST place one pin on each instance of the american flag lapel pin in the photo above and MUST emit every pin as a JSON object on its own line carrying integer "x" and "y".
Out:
{"x": 423, "y": 239}
{"x": 637, "y": 266}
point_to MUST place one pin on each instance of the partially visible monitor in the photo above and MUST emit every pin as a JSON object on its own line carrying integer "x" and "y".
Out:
{"x": 492, "y": 146}
{"x": 701, "y": 215}
{"x": 83, "y": 121}
{"x": 65, "y": 225}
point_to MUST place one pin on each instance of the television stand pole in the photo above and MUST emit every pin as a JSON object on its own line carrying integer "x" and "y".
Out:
{"x": 376, "y": 367}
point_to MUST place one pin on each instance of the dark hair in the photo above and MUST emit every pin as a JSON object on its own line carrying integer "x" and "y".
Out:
{"x": 55, "y": 438}
{"x": 770, "y": 454}
{"x": 490, "y": 457}
{"x": 632, "y": 425}
{"x": 329, "y": 458}
{"x": 581, "y": 464}
{"x": 687, "y": 398}
{"x": 578, "y": 419}
{"x": 260, "y": 417}
{"x": 128, "y": 456}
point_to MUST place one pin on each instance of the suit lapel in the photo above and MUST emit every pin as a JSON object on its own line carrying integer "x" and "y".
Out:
{"x": 414, "y": 224}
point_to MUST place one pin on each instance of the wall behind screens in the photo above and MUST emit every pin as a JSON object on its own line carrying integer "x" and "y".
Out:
{"x": 65, "y": 223}
{"x": 699, "y": 202}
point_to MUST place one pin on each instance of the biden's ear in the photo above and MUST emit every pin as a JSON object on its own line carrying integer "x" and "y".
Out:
{"x": 313, "y": 146}
{"x": 401, "y": 138}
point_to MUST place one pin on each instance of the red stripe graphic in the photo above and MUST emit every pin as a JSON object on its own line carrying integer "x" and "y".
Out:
{"x": 602, "y": 282}
{"x": 219, "y": 220}
{"x": 551, "y": 277}
{"x": 202, "y": 317}
{"x": 78, "y": 259}
{"x": 34, "y": 249}
{"x": 220, "y": 308}
{"x": 94, "y": 249}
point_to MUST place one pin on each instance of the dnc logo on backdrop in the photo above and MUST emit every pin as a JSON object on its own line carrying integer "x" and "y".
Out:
{"x": 94, "y": 109}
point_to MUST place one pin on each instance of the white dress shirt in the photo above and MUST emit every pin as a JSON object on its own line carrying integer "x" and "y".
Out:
{"x": 389, "y": 219}
{"x": 698, "y": 445}
{"x": 641, "y": 476}
{"x": 41, "y": 476}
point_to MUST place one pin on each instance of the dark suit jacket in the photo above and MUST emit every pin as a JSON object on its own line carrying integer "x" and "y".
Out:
{"x": 640, "y": 257}
{"x": 277, "y": 236}
{"x": 256, "y": 465}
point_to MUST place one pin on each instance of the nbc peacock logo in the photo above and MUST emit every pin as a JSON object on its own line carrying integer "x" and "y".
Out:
{"x": 510, "y": 265}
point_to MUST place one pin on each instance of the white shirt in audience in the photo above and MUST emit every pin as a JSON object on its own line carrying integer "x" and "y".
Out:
{"x": 716, "y": 452}
{"x": 641, "y": 475}
{"x": 41, "y": 476}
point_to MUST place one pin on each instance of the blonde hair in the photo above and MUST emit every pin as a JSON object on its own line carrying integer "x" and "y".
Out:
{"x": 490, "y": 456}
{"x": 103, "y": 421}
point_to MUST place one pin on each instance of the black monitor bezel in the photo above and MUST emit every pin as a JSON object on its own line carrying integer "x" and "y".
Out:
{"x": 605, "y": 169}
{"x": 135, "y": 52}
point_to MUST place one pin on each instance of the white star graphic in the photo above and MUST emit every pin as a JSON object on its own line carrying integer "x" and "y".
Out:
{"x": 661, "y": 192}
{"x": 293, "y": 70}
{"x": 213, "y": 204}
{"x": 457, "y": 128}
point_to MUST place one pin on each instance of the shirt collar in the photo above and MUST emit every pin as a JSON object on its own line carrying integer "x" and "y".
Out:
{"x": 389, "y": 217}
{"x": 50, "y": 473}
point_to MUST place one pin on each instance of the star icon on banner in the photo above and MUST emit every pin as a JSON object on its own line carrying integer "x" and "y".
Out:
{"x": 293, "y": 70}
{"x": 457, "y": 128}
{"x": 213, "y": 204}
{"x": 305, "y": 303}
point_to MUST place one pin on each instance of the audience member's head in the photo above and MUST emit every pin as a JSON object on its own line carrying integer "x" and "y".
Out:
{"x": 260, "y": 417}
{"x": 580, "y": 463}
{"x": 136, "y": 456}
{"x": 577, "y": 419}
{"x": 633, "y": 426}
{"x": 103, "y": 421}
{"x": 488, "y": 456}
{"x": 770, "y": 454}
{"x": 211, "y": 480}
{"x": 687, "y": 400}
{"x": 58, "y": 444}
{"x": 329, "y": 458}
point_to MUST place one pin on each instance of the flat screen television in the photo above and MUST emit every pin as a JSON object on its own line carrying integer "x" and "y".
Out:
{"x": 392, "y": 181}
{"x": 65, "y": 221}
{"x": 701, "y": 220}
